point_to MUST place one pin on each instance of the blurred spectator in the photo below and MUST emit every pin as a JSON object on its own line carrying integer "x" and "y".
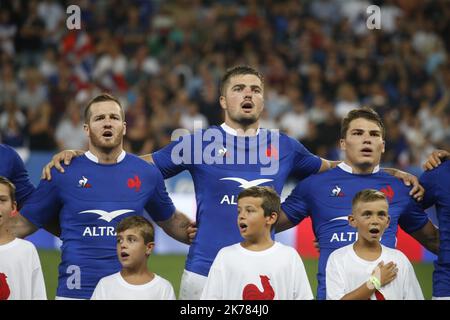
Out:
{"x": 266, "y": 122}
{"x": 346, "y": 100}
{"x": 40, "y": 132}
{"x": 53, "y": 14}
{"x": 109, "y": 71}
{"x": 295, "y": 122}
{"x": 138, "y": 139}
{"x": 8, "y": 31}
{"x": 8, "y": 84}
{"x": 31, "y": 35}
{"x": 141, "y": 67}
{"x": 192, "y": 119}
{"x": 48, "y": 66}
{"x": 13, "y": 125}
{"x": 69, "y": 132}
{"x": 319, "y": 54}
{"x": 131, "y": 34}
{"x": 34, "y": 93}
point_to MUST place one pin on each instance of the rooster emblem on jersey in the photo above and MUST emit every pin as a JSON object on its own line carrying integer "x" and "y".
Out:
{"x": 389, "y": 192}
{"x": 4, "y": 287}
{"x": 251, "y": 291}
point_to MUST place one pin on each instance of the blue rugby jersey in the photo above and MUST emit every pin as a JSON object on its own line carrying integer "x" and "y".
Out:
{"x": 13, "y": 168}
{"x": 437, "y": 192}
{"x": 90, "y": 200}
{"x": 217, "y": 185}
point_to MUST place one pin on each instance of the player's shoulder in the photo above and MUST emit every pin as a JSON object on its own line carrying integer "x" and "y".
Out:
{"x": 6, "y": 150}
{"x": 288, "y": 140}
{"x": 135, "y": 160}
{"x": 8, "y": 154}
{"x": 72, "y": 168}
{"x": 392, "y": 181}
{"x": 383, "y": 175}
{"x": 319, "y": 177}
{"x": 443, "y": 169}
{"x": 140, "y": 164}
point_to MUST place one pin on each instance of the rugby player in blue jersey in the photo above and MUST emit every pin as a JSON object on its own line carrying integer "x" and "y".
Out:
{"x": 327, "y": 197}
{"x": 13, "y": 168}
{"x": 98, "y": 190}
{"x": 437, "y": 192}
{"x": 223, "y": 160}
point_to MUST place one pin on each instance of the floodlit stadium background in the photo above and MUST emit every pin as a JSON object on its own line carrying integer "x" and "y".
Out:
{"x": 164, "y": 60}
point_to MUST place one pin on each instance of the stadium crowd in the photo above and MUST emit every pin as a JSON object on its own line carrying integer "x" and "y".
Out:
{"x": 164, "y": 59}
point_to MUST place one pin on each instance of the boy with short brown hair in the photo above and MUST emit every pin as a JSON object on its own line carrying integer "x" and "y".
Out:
{"x": 21, "y": 275}
{"x": 258, "y": 268}
{"x": 135, "y": 242}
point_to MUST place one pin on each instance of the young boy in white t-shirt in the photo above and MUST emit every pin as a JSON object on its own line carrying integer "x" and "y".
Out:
{"x": 135, "y": 242}
{"x": 21, "y": 275}
{"x": 366, "y": 269}
{"x": 257, "y": 268}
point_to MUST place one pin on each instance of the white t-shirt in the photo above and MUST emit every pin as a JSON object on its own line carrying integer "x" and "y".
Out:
{"x": 277, "y": 273}
{"x": 346, "y": 271}
{"x": 21, "y": 275}
{"x": 114, "y": 287}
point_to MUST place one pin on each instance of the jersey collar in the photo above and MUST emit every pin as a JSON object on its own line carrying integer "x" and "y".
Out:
{"x": 349, "y": 169}
{"x": 232, "y": 131}
{"x": 93, "y": 158}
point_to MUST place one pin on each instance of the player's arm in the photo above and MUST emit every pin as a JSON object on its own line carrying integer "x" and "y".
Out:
{"x": 417, "y": 191}
{"x": 381, "y": 276}
{"x": 179, "y": 227}
{"x": 295, "y": 208}
{"x": 414, "y": 220}
{"x": 147, "y": 157}
{"x": 21, "y": 179}
{"x": 428, "y": 236}
{"x": 21, "y": 227}
{"x": 283, "y": 222}
{"x": 328, "y": 164}
{"x": 435, "y": 159}
{"x": 41, "y": 210}
{"x": 65, "y": 156}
